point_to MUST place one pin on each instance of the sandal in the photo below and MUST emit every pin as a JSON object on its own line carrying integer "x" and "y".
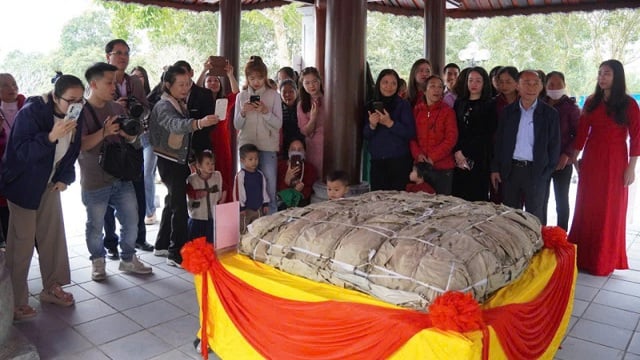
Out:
{"x": 55, "y": 295}
{"x": 24, "y": 312}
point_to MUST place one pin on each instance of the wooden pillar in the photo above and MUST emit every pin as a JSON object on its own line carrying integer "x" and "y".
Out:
{"x": 434, "y": 33}
{"x": 229, "y": 47}
{"x": 344, "y": 86}
{"x": 321, "y": 32}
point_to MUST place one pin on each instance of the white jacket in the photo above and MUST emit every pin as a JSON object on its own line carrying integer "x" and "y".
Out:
{"x": 262, "y": 130}
{"x": 198, "y": 207}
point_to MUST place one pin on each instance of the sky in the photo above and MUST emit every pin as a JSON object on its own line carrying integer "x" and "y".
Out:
{"x": 35, "y": 25}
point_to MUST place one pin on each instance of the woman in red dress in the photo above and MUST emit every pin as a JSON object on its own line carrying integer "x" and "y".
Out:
{"x": 606, "y": 170}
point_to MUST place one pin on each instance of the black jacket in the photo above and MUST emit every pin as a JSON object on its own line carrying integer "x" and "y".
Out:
{"x": 200, "y": 104}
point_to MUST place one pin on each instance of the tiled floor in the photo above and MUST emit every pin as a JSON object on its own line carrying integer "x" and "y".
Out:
{"x": 156, "y": 317}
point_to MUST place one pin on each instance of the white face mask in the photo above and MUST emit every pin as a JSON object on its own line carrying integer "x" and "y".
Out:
{"x": 555, "y": 94}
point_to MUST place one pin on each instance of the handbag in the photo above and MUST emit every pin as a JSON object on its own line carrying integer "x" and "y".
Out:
{"x": 119, "y": 159}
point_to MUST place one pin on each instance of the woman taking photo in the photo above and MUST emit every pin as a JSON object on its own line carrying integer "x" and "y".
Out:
{"x": 606, "y": 170}
{"x": 389, "y": 129}
{"x": 169, "y": 129}
{"x": 437, "y": 134}
{"x": 38, "y": 165}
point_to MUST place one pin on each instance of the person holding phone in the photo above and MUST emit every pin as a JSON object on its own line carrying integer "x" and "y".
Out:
{"x": 37, "y": 166}
{"x": 389, "y": 128}
{"x": 311, "y": 116}
{"x": 258, "y": 118}
{"x": 295, "y": 176}
{"x": 220, "y": 136}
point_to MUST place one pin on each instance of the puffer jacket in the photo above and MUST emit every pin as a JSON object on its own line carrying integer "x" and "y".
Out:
{"x": 436, "y": 134}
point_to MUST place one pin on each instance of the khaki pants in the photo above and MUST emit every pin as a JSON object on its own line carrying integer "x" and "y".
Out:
{"x": 47, "y": 226}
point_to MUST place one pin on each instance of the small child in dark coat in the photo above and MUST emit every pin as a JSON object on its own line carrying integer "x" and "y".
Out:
{"x": 419, "y": 178}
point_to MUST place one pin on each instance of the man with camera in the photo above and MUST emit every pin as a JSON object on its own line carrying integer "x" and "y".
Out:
{"x": 129, "y": 93}
{"x": 100, "y": 189}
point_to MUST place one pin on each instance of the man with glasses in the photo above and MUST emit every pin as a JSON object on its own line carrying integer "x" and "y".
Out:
{"x": 129, "y": 91}
{"x": 99, "y": 189}
{"x": 527, "y": 147}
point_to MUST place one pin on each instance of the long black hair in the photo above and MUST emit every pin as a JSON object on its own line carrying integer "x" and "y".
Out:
{"x": 618, "y": 100}
{"x": 486, "y": 84}
{"x": 305, "y": 97}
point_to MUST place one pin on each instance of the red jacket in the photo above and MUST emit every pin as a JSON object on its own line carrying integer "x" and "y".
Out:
{"x": 436, "y": 134}
{"x": 424, "y": 187}
{"x": 309, "y": 176}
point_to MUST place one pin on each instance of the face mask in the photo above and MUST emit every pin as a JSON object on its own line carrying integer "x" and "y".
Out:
{"x": 555, "y": 94}
{"x": 298, "y": 153}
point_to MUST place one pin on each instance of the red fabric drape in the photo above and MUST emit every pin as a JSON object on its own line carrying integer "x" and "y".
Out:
{"x": 287, "y": 329}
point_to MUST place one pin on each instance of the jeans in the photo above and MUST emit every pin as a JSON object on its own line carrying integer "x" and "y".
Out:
{"x": 110, "y": 236}
{"x": 269, "y": 167}
{"x": 121, "y": 196}
{"x": 150, "y": 162}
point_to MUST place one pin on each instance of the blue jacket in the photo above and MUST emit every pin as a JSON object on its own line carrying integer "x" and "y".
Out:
{"x": 28, "y": 158}
{"x": 393, "y": 142}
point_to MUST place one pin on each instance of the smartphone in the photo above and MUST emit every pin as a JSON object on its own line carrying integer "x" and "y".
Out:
{"x": 254, "y": 99}
{"x": 378, "y": 105}
{"x": 218, "y": 64}
{"x": 73, "y": 112}
{"x": 221, "y": 108}
{"x": 296, "y": 160}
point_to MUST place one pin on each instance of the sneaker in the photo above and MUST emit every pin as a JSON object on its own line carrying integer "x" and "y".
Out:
{"x": 174, "y": 263}
{"x": 161, "y": 252}
{"x": 150, "y": 220}
{"x": 145, "y": 246}
{"x": 98, "y": 272}
{"x": 113, "y": 254}
{"x": 134, "y": 266}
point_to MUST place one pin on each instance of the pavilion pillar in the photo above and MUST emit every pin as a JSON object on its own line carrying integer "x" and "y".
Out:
{"x": 434, "y": 33}
{"x": 321, "y": 32}
{"x": 344, "y": 86}
{"x": 229, "y": 47}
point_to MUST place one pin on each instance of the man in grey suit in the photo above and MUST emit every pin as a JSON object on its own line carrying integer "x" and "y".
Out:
{"x": 527, "y": 147}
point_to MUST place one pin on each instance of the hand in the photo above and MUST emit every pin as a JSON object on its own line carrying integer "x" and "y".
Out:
{"x": 374, "y": 119}
{"x": 61, "y": 129}
{"x": 495, "y": 180}
{"x": 209, "y": 120}
{"x": 291, "y": 174}
{"x": 562, "y": 162}
{"x": 262, "y": 107}
{"x": 313, "y": 113}
{"x": 249, "y": 107}
{"x": 228, "y": 68}
{"x": 111, "y": 127}
{"x": 421, "y": 158}
{"x": 629, "y": 175}
{"x": 385, "y": 118}
{"x": 461, "y": 160}
{"x": 59, "y": 186}
{"x": 299, "y": 186}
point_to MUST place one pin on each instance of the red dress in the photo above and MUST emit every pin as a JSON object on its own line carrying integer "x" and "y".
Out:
{"x": 599, "y": 223}
{"x": 221, "y": 140}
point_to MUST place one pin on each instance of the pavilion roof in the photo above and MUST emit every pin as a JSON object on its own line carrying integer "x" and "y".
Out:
{"x": 455, "y": 8}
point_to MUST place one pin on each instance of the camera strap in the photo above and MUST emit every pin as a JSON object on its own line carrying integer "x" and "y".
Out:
{"x": 95, "y": 119}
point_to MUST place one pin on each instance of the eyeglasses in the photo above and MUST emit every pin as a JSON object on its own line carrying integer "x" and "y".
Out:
{"x": 73, "y": 101}
{"x": 119, "y": 53}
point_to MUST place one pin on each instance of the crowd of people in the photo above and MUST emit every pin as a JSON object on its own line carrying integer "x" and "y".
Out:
{"x": 500, "y": 136}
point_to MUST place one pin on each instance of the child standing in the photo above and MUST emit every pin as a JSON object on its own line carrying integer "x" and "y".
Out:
{"x": 250, "y": 187}
{"x": 204, "y": 191}
{"x": 419, "y": 177}
{"x": 337, "y": 185}
{"x": 258, "y": 119}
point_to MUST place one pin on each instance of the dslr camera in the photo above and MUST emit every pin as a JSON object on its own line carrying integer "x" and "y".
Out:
{"x": 131, "y": 123}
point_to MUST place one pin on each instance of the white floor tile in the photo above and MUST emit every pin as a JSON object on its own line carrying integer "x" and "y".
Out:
{"x": 578, "y": 349}
{"x": 602, "y": 334}
{"x": 612, "y": 316}
{"x": 141, "y": 345}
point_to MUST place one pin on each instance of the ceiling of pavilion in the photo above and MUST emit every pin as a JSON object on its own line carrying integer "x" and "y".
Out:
{"x": 455, "y": 8}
